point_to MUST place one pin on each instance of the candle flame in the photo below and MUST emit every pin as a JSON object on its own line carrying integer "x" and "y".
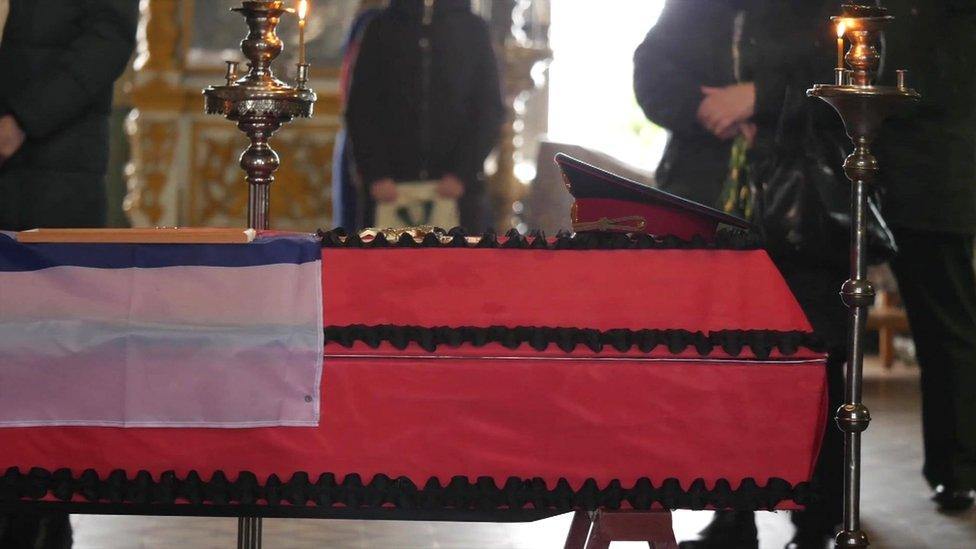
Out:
{"x": 302, "y": 9}
{"x": 841, "y": 28}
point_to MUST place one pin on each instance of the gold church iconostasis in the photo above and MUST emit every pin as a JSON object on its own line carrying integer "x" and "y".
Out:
{"x": 183, "y": 167}
{"x": 183, "y": 164}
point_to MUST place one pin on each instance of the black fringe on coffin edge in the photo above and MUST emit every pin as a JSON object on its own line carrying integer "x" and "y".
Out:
{"x": 726, "y": 239}
{"x": 732, "y": 342}
{"x": 401, "y": 493}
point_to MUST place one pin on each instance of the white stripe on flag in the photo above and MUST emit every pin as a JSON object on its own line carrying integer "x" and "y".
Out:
{"x": 266, "y": 294}
{"x": 164, "y": 347}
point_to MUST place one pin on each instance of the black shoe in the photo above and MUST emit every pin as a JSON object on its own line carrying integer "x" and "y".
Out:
{"x": 728, "y": 530}
{"x": 952, "y": 500}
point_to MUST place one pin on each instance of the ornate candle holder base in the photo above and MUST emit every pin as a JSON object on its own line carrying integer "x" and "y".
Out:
{"x": 259, "y": 102}
{"x": 863, "y": 107}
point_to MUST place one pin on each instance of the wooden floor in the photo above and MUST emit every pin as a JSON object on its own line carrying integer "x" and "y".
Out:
{"x": 896, "y": 510}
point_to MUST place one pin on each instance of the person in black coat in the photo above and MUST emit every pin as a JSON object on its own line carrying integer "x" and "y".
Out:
{"x": 58, "y": 61}
{"x": 425, "y": 103}
{"x": 715, "y": 71}
{"x": 346, "y": 196}
{"x": 670, "y": 69}
{"x": 927, "y": 157}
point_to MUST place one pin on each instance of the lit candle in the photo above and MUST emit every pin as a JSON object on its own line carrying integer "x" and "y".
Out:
{"x": 302, "y": 12}
{"x": 841, "y": 29}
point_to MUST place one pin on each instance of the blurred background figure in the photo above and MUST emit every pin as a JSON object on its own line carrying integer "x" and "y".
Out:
{"x": 928, "y": 160}
{"x": 424, "y": 110}
{"x": 347, "y": 192}
{"x": 712, "y": 97}
{"x": 719, "y": 75}
{"x": 59, "y": 59}
{"x": 670, "y": 74}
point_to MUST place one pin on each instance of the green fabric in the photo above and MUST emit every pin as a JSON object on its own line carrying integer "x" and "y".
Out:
{"x": 737, "y": 193}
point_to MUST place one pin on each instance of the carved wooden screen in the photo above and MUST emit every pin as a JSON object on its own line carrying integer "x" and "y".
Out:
{"x": 184, "y": 163}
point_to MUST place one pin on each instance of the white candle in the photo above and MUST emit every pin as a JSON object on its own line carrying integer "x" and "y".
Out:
{"x": 302, "y": 12}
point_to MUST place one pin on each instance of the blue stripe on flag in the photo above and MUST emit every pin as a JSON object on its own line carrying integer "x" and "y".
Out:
{"x": 271, "y": 250}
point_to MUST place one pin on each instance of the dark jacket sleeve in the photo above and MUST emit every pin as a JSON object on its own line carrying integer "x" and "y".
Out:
{"x": 94, "y": 60}
{"x": 485, "y": 110}
{"x": 366, "y": 94}
{"x": 665, "y": 82}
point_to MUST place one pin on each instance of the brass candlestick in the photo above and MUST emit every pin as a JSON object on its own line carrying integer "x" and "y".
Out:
{"x": 863, "y": 107}
{"x": 259, "y": 102}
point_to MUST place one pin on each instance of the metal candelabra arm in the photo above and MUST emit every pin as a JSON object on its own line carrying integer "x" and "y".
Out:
{"x": 260, "y": 103}
{"x": 863, "y": 107}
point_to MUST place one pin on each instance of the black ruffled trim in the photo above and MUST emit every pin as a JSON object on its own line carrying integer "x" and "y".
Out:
{"x": 400, "y": 493}
{"x": 732, "y": 342}
{"x": 726, "y": 239}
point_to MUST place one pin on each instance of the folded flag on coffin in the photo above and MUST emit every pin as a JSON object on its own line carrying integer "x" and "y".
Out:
{"x": 161, "y": 335}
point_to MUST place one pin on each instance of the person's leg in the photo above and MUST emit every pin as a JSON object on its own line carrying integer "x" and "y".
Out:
{"x": 35, "y": 531}
{"x": 728, "y": 530}
{"x": 817, "y": 289}
{"x": 820, "y": 517}
{"x": 938, "y": 286}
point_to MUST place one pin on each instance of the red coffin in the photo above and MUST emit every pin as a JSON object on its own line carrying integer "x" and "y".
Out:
{"x": 664, "y": 376}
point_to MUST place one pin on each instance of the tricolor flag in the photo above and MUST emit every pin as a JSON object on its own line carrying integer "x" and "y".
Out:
{"x": 161, "y": 335}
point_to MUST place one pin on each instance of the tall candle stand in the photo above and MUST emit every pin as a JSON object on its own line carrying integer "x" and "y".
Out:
{"x": 260, "y": 103}
{"x": 863, "y": 107}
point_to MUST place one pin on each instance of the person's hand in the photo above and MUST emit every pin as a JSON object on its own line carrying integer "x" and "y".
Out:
{"x": 724, "y": 109}
{"x": 450, "y": 186}
{"x": 11, "y": 137}
{"x": 383, "y": 190}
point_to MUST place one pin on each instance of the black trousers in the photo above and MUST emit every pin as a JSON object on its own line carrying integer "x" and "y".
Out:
{"x": 35, "y": 531}
{"x": 31, "y": 199}
{"x": 938, "y": 287}
{"x": 817, "y": 289}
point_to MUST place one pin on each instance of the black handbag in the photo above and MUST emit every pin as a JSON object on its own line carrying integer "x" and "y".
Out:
{"x": 802, "y": 198}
